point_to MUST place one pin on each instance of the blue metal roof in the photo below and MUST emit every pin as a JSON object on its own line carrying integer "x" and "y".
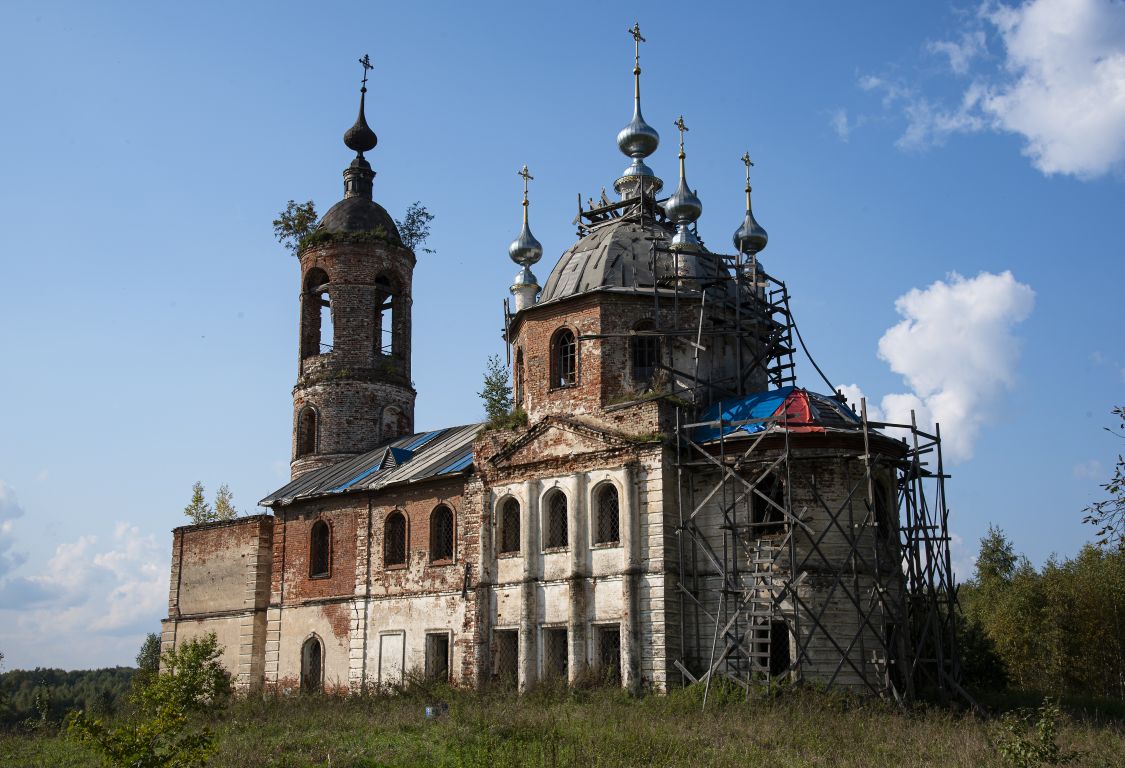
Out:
{"x": 408, "y": 459}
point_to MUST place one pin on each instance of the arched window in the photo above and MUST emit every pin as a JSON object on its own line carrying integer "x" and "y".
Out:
{"x": 384, "y": 317}
{"x": 306, "y": 431}
{"x": 885, "y": 523}
{"x": 555, "y": 530}
{"x": 517, "y": 380}
{"x": 509, "y": 526}
{"x": 645, "y": 352}
{"x": 320, "y": 550}
{"x": 767, "y": 506}
{"x": 312, "y": 666}
{"x": 608, "y": 528}
{"x": 316, "y": 315}
{"x": 394, "y": 539}
{"x": 564, "y": 359}
{"x": 441, "y": 534}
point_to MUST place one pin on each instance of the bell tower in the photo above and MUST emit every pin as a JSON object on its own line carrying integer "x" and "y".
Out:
{"x": 353, "y": 388}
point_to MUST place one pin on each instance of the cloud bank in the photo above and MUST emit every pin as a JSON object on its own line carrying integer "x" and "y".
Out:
{"x": 956, "y": 351}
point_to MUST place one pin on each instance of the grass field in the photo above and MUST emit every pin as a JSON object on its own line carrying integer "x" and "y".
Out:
{"x": 598, "y": 728}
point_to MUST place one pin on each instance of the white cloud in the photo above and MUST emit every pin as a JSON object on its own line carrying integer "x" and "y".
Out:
{"x": 956, "y": 352}
{"x": 10, "y": 509}
{"x": 962, "y": 51}
{"x": 1067, "y": 98}
{"x": 839, "y": 123}
{"x": 1060, "y": 84}
{"x": 89, "y": 604}
{"x": 1088, "y": 470}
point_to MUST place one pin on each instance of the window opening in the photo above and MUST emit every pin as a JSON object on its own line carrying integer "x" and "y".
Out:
{"x": 441, "y": 534}
{"x": 506, "y": 646}
{"x": 437, "y": 656}
{"x": 564, "y": 361}
{"x": 884, "y": 523}
{"x": 767, "y": 513}
{"x": 517, "y": 380}
{"x": 779, "y": 648}
{"x": 555, "y": 652}
{"x": 316, "y": 315}
{"x": 609, "y": 653}
{"x": 312, "y": 666}
{"x": 646, "y": 354}
{"x": 384, "y": 317}
{"x": 394, "y": 540}
{"x": 609, "y": 516}
{"x": 557, "y": 533}
{"x": 306, "y": 432}
{"x": 510, "y": 526}
{"x": 320, "y": 550}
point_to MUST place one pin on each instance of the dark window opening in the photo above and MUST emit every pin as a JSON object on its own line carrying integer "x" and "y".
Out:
{"x": 884, "y": 522}
{"x": 517, "y": 380}
{"x": 306, "y": 432}
{"x": 564, "y": 359}
{"x": 779, "y": 648}
{"x": 384, "y": 317}
{"x": 555, "y": 653}
{"x": 510, "y": 527}
{"x": 437, "y": 656}
{"x": 506, "y": 650}
{"x": 320, "y": 550}
{"x": 646, "y": 354}
{"x": 394, "y": 540}
{"x": 767, "y": 506}
{"x": 316, "y": 315}
{"x": 312, "y": 666}
{"x": 556, "y": 528}
{"x": 609, "y": 653}
{"x": 441, "y": 534}
{"x": 609, "y": 516}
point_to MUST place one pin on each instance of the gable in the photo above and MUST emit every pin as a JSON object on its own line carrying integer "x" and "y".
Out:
{"x": 555, "y": 438}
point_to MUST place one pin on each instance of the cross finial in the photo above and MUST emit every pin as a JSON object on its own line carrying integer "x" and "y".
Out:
{"x": 683, "y": 127}
{"x": 366, "y": 62}
{"x": 637, "y": 40}
{"x": 526, "y": 176}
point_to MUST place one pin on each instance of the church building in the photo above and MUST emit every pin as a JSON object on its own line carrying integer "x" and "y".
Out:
{"x": 665, "y": 505}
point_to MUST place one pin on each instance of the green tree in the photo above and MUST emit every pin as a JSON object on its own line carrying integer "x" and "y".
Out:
{"x": 198, "y": 510}
{"x": 997, "y": 557}
{"x": 294, "y": 223}
{"x": 497, "y": 392}
{"x": 414, "y": 228}
{"x": 166, "y": 729}
{"x": 224, "y": 503}
{"x": 1108, "y": 515}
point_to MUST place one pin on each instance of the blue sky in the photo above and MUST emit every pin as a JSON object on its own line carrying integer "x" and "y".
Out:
{"x": 942, "y": 185}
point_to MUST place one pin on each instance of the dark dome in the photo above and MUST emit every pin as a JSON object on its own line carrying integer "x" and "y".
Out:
{"x": 358, "y": 214}
{"x": 615, "y": 256}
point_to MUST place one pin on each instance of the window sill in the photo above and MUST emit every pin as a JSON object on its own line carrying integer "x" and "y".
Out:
{"x": 395, "y": 567}
{"x": 607, "y": 545}
{"x": 554, "y": 550}
{"x": 319, "y": 576}
{"x": 507, "y": 555}
{"x": 440, "y": 563}
{"x": 557, "y": 387}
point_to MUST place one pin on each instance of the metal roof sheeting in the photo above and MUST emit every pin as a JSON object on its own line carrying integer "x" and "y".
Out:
{"x": 409, "y": 459}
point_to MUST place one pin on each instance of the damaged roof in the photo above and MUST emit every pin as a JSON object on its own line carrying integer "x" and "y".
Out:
{"x": 405, "y": 460}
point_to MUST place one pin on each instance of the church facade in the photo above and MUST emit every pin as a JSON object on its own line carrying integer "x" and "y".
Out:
{"x": 672, "y": 507}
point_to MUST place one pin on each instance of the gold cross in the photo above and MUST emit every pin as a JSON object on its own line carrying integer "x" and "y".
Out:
{"x": 366, "y": 62}
{"x": 637, "y": 40}
{"x": 526, "y": 176}
{"x": 683, "y": 127}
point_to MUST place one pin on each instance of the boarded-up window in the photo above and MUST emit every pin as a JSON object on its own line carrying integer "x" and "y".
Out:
{"x": 556, "y": 532}
{"x": 320, "y": 550}
{"x": 394, "y": 539}
{"x": 441, "y": 534}
{"x": 510, "y": 526}
{"x": 608, "y": 528}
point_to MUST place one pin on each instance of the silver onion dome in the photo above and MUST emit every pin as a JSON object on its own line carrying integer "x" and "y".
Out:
{"x": 684, "y": 206}
{"x": 525, "y": 250}
{"x": 638, "y": 139}
{"x": 751, "y": 237}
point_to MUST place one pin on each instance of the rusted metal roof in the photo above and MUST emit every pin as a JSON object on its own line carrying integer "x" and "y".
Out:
{"x": 405, "y": 460}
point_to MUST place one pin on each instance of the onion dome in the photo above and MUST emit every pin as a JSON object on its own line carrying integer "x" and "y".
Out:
{"x": 525, "y": 250}
{"x": 360, "y": 137}
{"x": 683, "y": 207}
{"x": 638, "y": 139}
{"x": 750, "y": 238}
